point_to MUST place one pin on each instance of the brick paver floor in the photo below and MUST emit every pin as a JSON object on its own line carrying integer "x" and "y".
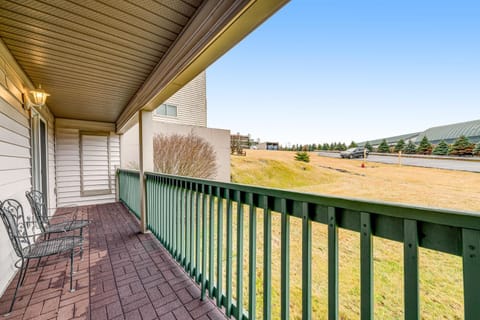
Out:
{"x": 123, "y": 275}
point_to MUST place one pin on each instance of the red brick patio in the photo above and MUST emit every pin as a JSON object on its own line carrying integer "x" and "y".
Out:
{"x": 124, "y": 275}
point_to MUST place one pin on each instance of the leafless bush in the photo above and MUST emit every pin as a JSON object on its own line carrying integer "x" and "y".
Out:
{"x": 182, "y": 155}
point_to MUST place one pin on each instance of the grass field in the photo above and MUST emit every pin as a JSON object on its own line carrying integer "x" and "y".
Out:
{"x": 441, "y": 285}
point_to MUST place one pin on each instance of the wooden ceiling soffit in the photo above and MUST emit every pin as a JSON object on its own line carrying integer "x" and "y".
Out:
{"x": 216, "y": 28}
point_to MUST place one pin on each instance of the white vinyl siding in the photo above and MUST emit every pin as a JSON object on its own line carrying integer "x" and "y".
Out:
{"x": 190, "y": 102}
{"x": 95, "y": 164}
{"x": 16, "y": 152}
{"x": 68, "y": 162}
{"x": 15, "y": 173}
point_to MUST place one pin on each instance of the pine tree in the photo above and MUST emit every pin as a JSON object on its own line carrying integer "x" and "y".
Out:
{"x": 326, "y": 146}
{"x": 368, "y": 146}
{"x": 302, "y": 156}
{"x": 400, "y": 145}
{"x": 383, "y": 147}
{"x": 477, "y": 149}
{"x": 333, "y": 146}
{"x": 425, "y": 146}
{"x": 441, "y": 149}
{"x": 411, "y": 148}
{"x": 461, "y": 147}
{"x": 342, "y": 146}
{"x": 352, "y": 145}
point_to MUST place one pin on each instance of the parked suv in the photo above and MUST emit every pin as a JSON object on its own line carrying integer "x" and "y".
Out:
{"x": 351, "y": 153}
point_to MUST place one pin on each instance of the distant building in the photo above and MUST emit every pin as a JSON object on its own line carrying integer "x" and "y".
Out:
{"x": 268, "y": 146}
{"x": 449, "y": 133}
{"x": 240, "y": 141}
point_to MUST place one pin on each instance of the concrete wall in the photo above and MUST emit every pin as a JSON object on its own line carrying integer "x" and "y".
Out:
{"x": 220, "y": 140}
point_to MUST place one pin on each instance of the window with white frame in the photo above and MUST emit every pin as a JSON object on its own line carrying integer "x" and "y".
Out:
{"x": 166, "y": 110}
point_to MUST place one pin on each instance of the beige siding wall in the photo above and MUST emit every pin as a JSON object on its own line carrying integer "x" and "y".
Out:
{"x": 68, "y": 162}
{"x": 191, "y": 103}
{"x": 15, "y": 152}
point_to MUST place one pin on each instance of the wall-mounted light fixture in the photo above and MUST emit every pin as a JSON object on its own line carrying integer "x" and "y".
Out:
{"x": 36, "y": 98}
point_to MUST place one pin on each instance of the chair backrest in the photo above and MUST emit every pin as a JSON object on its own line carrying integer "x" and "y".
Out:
{"x": 17, "y": 226}
{"x": 39, "y": 207}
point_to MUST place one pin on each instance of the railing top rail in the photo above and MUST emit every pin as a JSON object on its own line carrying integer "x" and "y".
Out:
{"x": 128, "y": 171}
{"x": 463, "y": 219}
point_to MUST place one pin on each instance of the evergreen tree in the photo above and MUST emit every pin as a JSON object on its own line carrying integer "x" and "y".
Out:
{"x": 342, "y": 146}
{"x": 333, "y": 146}
{"x": 368, "y": 146}
{"x": 425, "y": 146}
{"x": 352, "y": 145}
{"x": 461, "y": 147}
{"x": 411, "y": 148}
{"x": 441, "y": 149}
{"x": 302, "y": 156}
{"x": 383, "y": 147}
{"x": 399, "y": 146}
{"x": 477, "y": 149}
{"x": 326, "y": 146}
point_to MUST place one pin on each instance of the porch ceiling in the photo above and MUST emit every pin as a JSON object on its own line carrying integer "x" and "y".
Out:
{"x": 104, "y": 60}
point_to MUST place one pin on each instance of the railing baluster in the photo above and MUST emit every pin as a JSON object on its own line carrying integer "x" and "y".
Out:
{"x": 197, "y": 234}
{"x": 219, "y": 247}
{"x": 471, "y": 275}
{"x": 191, "y": 237}
{"x": 252, "y": 266}
{"x": 204, "y": 241}
{"x": 239, "y": 255}
{"x": 183, "y": 225}
{"x": 228, "y": 306}
{"x": 306, "y": 263}
{"x": 178, "y": 219}
{"x": 410, "y": 258}
{"x": 211, "y": 248}
{"x": 285, "y": 263}
{"x": 332, "y": 264}
{"x": 366, "y": 267}
{"x": 267, "y": 260}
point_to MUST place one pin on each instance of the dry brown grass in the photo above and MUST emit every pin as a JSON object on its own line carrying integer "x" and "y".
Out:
{"x": 440, "y": 274}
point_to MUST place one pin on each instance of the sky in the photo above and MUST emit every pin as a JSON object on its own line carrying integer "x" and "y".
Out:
{"x": 339, "y": 70}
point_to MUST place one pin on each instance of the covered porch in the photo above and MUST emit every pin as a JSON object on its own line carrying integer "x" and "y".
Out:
{"x": 124, "y": 275}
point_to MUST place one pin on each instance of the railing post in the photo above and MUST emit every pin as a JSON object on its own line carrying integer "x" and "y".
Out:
{"x": 145, "y": 143}
{"x": 410, "y": 257}
{"x": 366, "y": 267}
{"x": 332, "y": 264}
{"x": 471, "y": 275}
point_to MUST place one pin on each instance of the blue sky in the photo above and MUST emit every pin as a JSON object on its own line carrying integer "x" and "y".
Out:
{"x": 338, "y": 70}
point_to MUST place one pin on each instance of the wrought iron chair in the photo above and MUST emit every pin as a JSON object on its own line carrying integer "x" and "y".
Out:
{"x": 21, "y": 232}
{"x": 40, "y": 210}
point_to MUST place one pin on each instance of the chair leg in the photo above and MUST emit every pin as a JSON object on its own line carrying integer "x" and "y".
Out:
{"x": 38, "y": 264}
{"x": 16, "y": 288}
{"x": 81, "y": 248}
{"x": 71, "y": 272}
{"x": 25, "y": 272}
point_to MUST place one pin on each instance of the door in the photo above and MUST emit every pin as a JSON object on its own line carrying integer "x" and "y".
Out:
{"x": 39, "y": 155}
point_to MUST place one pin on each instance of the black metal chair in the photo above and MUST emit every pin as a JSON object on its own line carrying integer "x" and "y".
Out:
{"x": 21, "y": 232}
{"x": 40, "y": 210}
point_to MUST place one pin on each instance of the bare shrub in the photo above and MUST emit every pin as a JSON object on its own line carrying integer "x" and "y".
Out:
{"x": 184, "y": 155}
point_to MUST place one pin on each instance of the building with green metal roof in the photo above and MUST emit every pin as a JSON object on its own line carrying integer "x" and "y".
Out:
{"x": 449, "y": 133}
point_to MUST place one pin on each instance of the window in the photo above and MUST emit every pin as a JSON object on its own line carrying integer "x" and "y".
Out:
{"x": 94, "y": 163}
{"x": 168, "y": 110}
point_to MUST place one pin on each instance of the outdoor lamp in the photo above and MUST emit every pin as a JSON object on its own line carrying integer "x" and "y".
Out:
{"x": 38, "y": 96}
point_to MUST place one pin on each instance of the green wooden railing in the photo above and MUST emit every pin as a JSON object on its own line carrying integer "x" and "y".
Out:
{"x": 129, "y": 189}
{"x": 187, "y": 216}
